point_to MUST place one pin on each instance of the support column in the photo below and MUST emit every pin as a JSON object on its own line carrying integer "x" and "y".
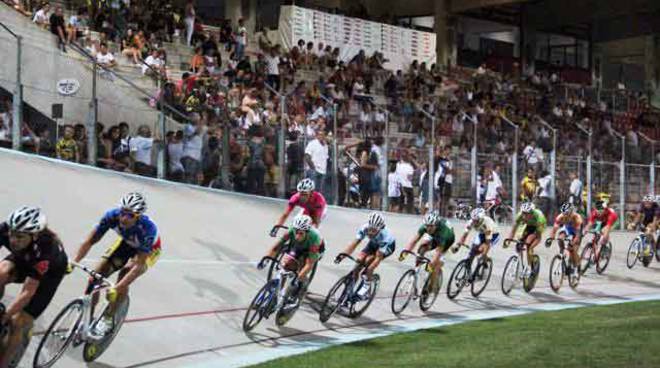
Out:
{"x": 233, "y": 11}
{"x": 445, "y": 31}
{"x": 652, "y": 67}
{"x": 527, "y": 42}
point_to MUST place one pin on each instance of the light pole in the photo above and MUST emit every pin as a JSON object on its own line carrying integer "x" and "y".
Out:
{"x": 335, "y": 153}
{"x": 17, "y": 115}
{"x": 473, "y": 157}
{"x": 430, "y": 171}
{"x": 589, "y": 133}
{"x": 652, "y": 166}
{"x": 622, "y": 180}
{"x": 553, "y": 159}
{"x": 514, "y": 165}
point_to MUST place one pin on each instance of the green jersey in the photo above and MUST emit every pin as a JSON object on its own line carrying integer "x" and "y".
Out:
{"x": 310, "y": 245}
{"x": 537, "y": 221}
{"x": 442, "y": 236}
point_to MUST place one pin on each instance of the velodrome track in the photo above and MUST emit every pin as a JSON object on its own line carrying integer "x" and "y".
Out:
{"x": 187, "y": 310}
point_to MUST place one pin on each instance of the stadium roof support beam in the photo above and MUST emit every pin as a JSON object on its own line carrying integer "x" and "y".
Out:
{"x": 458, "y": 6}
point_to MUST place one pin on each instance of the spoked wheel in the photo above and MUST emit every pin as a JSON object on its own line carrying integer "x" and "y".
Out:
{"x": 59, "y": 335}
{"x": 255, "y": 312}
{"x": 633, "y": 253}
{"x": 403, "y": 293}
{"x": 458, "y": 279}
{"x": 557, "y": 273}
{"x": 93, "y": 349}
{"x": 604, "y": 258}
{"x": 510, "y": 275}
{"x": 586, "y": 258}
{"x": 530, "y": 282}
{"x": 336, "y": 296}
{"x": 481, "y": 277}
{"x": 657, "y": 250}
{"x": 429, "y": 296}
{"x": 360, "y": 307}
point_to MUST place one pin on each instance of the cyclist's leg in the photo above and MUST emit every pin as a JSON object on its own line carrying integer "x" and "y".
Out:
{"x": 436, "y": 263}
{"x": 21, "y": 328}
{"x": 7, "y": 274}
{"x": 382, "y": 253}
{"x": 531, "y": 239}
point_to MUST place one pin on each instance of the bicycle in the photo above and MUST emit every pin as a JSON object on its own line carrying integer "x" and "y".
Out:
{"x": 588, "y": 257}
{"x": 499, "y": 211}
{"x": 81, "y": 329}
{"x": 517, "y": 269}
{"x": 462, "y": 211}
{"x": 343, "y": 294}
{"x": 407, "y": 288}
{"x": 276, "y": 296}
{"x": 463, "y": 274}
{"x": 281, "y": 252}
{"x": 636, "y": 251}
{"x": 561, "y": 266}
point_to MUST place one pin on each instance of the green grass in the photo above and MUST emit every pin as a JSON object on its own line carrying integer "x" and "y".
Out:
{"x": 623, "y": 335}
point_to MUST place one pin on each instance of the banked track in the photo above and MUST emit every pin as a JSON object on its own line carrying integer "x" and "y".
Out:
{"x": 187, "y": 310}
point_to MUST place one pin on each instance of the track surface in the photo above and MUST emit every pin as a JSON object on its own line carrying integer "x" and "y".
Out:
{"x": 187, "y": 310}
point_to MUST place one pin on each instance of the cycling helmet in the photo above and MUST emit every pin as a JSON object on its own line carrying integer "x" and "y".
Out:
{"x": 649, "y": 198}
{"x": 527, "y": 207}
{"x": 477, "y": 214}
{"x": 134, "y": 202}
{"x": 431, "y": 218}
{"x": 27, "y": 220}
{"x": 376, "y": 221}
{"x": 305, "y": 185}
{"x": 302, "y": 222}
{"x": 567, "y": 207}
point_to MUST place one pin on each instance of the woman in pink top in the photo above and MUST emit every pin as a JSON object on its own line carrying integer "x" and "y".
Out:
{"x": 313, "y": 204}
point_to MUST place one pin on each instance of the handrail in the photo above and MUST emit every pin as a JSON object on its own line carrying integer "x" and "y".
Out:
{"x": 9, "y": 30}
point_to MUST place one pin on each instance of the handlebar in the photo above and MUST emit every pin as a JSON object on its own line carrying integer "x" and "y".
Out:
{"x": 346, "y": 255}
{"x": 459, "y": 245}
{"x": 548, "y": 242}
{"x": 97, "y": 276}
{"x": 418, "y": 257}
{"x": 273, "y": 231}
{"x": 514, "y": 241}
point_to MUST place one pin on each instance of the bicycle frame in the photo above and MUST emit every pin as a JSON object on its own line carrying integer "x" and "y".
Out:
{"x": 521, "y": 247}
{"x": 102, "y": 283}
{"x": 420, "y": 264}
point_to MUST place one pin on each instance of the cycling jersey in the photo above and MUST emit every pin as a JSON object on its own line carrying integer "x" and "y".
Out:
{"x": 537, "y": 221}
{"x": 649, "y": 214}
{"x": 607, "y": 217}
{"x": 310, "y": 246}
{"x": 143, "y": 236}
{"x": 313, "y": 207}
{"x": 383, "y": 241}
{"x": 485, "y": 226}
{"x": 442, "y": 236}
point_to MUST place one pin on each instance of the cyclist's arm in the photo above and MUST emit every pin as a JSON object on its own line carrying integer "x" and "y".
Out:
{"x": 138, "y": 267}
{"x": 465, "y": 233}
{"x": 278, "y": 243}
{"x": 284, "y": 216}
{"x": 555, "y": 227}
{"x": 309, "y": 264}
{"x": 86, "y": 245}
{"x": 513, "y": 229}
{"x": 413, "y": 242}
{"x": 350, "y": 248}
{"x": 23, "y": 298}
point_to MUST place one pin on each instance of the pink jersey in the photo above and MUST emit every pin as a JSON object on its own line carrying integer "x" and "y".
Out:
{"x": 314, "y": 206}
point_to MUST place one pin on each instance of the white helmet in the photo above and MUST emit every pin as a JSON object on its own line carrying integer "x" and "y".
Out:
{"x": 649, "y": 198}
{"x": 477, "y": 214}
{"x": 305, "y": 185}
{"x": 27, "y": 220}
{"x": 431, "y": 218}
{"x": 376, "y": 221}
{"x": 566, "y": 208}
{"x": 134, "y": 202}
{"x": 527, "y": 207}
{"x": 302, "y": 222}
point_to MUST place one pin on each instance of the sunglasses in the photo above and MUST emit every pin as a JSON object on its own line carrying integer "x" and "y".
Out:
{"x": 128, "y": 214}
{"x": 300, "y": 232}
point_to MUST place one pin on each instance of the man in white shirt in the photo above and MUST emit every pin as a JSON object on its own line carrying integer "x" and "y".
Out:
{"x": 174, "y": 155}
{"x": 575, "y": 190}
{"x": 106, "y": 60}
{"x": 545, "y": 200}
{"x": 494, "y": 187}
{"x": 41, "y": 17}
{"x": 155, "y": 62}
{"x": 443, "y": 180}
{"x": 316, "y": 158}
{"x": 192, "y": 150}
{"x": 140, "y": 148}
{"x": 273, "y": 68}
{"x": 533, "y": 156}
{"x": 405, "y": 169}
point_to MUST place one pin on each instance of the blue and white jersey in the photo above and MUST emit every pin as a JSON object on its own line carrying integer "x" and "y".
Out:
{"x": 383, "y": 238}
{"x": 143, "y": 236}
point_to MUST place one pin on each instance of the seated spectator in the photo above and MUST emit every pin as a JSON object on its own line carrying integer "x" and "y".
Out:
{"x": 57, "y": 27}
{"x": 106, "y": 60}
{"x": 140, "y": 156}
{"x": 197, "y": 60}
{"x": 77, "y": 25}
{"x": 153, "y": 65}
{"x": 42, "y": 16}
{"x": 130, "y": 47}
{"x": 67, "y": 148}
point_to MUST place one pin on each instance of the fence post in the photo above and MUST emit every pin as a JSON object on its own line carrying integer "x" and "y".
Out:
{"x": 335, "y": 157}
{"x": 18, "y": 98}
{"x": 473, "y": 163}
{"x": 622, "y": 185}
{"x": 281, "y": 186}
{"x": 161, "y": 164}
{"x": 514, "y": 172}
{"x": 553, "y": 168}
{"x": 589, "y": 158}
{"x": 385, "y": 170}
{"x": 91, "y": 128}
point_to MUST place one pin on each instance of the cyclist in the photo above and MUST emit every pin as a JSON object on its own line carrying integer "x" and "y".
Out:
{"x": 487, "y": 233}
{"x": 603, "y": 219}
{"x": 380, "y": 246}
{"x": 534, "y": 222}
{"x": 647, "y": 217}
{"x": 438, "y": 235}
{"x": 305, "y": 245}
{"x": 569, "y": 225}
{"x": 136, "y": 250}
{"x": 37, "y": 260}
{"x": 312, "y": 202}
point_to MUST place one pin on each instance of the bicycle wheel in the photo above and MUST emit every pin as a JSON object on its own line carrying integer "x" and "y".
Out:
{"x": 573, "y": 277}
{"x": 459, "y": 276}
{"x": 633, "y": 253}
{"x": 586, "y": 258}
{"x": 60, "y": 333}
{"x": 556, "y": 273}
{"x": 288, "y": 309}
{"x": 403, "y": 293}
{"x": 481, "y": 277}
{"x": 604, "y": 258}
{"x": 357, "y": 310}
{"x": 510, "y": 275}
{"x": 93, "y": 349}
{"x": 336, "y": 296}
{"x": 530, "y": 282}
{"x": 428, "y": 298}
{"x": 255, "y": 311}
{"x": 657, "y": 250}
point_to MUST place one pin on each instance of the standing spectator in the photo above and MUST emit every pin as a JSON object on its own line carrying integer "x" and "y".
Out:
{"x": 529, "y": 186}
{"x": 67, "y": 148}
{"x": 575, "y": 190}
{"x": 493, "y": 188}
{"x": 393, "y": 189}
{"x": 444, "y": 180}
{"x": 533, "y": 156}
{"x": 5, "y": 134}
{"x": 405, "y": 170}
{"x": 316, "y": 157}
{"x": 295, "y": 154}
{"x": 140, "y": 148}
{"x": 241, "y": 40}
{"x": 273, "y": 68}
{"x": 545, "y": 201}
{"x": 256, "y": 168}
{"x": 174, "y": 155}
{"x": 57, "y": 27}
{"x": 212, "y": 157}
{"x": 192, "y": 150}
{"x": 189, "y": 20}
{"x": 80, "y": 136}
